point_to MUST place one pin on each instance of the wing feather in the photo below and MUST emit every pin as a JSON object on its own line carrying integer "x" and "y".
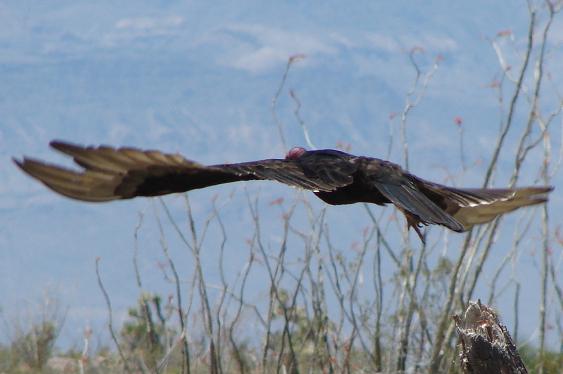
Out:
{"x": 406, "y": 197}
{"x": 403, "y": 190}
{"x": 489, "y": 203}
{"x": 124, "y": 173}
{"x": 472, "y": 206}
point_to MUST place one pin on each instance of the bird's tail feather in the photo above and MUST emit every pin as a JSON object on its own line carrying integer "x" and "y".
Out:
{"x": 486, "y": 211}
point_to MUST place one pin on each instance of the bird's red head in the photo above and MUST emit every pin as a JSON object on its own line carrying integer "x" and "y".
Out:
{"x": 295, "y": 152}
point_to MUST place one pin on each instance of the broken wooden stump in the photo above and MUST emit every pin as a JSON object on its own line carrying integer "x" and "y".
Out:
{"x": 486, "y": 345}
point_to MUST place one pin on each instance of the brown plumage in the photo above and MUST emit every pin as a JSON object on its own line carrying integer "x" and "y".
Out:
{"x": 335, "y": 177}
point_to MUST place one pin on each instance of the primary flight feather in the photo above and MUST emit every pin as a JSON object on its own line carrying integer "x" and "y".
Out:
{"x": 335, "y": 177}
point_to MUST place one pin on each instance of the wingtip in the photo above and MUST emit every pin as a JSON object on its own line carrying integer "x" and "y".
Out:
{"x": 545, "y": 189}
{"x": 18, "y": 162}
{"x": 537, "y": 192}
{"x": 24, "y": 163}
{"x": 55, "y": 142}
{"x": 63, "y": 146}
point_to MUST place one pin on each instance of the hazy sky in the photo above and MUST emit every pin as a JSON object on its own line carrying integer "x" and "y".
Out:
{"x": 199, "y": 79}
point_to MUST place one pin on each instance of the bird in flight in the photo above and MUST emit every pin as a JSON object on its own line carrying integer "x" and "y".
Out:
{"x": 335, "y": 177}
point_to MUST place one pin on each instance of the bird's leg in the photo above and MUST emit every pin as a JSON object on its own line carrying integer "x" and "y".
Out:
{"x": 414, "y": 222}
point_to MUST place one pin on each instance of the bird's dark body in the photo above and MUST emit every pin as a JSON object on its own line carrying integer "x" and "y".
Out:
{"x": 335, "y": 177}
{"x": 362, "y": 170}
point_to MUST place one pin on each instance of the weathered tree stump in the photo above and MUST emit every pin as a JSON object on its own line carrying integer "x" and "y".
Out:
{"x": 486, "y": 345}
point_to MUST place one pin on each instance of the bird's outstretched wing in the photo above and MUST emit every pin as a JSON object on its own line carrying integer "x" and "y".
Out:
{"x": 403, "y": 190}
{"x": 474, "y": 206}
{"x": 424, "y": 202}
{"x": 124, "y": 173}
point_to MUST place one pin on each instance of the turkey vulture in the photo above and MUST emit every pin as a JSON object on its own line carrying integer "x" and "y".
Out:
{"x": 334, "y": 176}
